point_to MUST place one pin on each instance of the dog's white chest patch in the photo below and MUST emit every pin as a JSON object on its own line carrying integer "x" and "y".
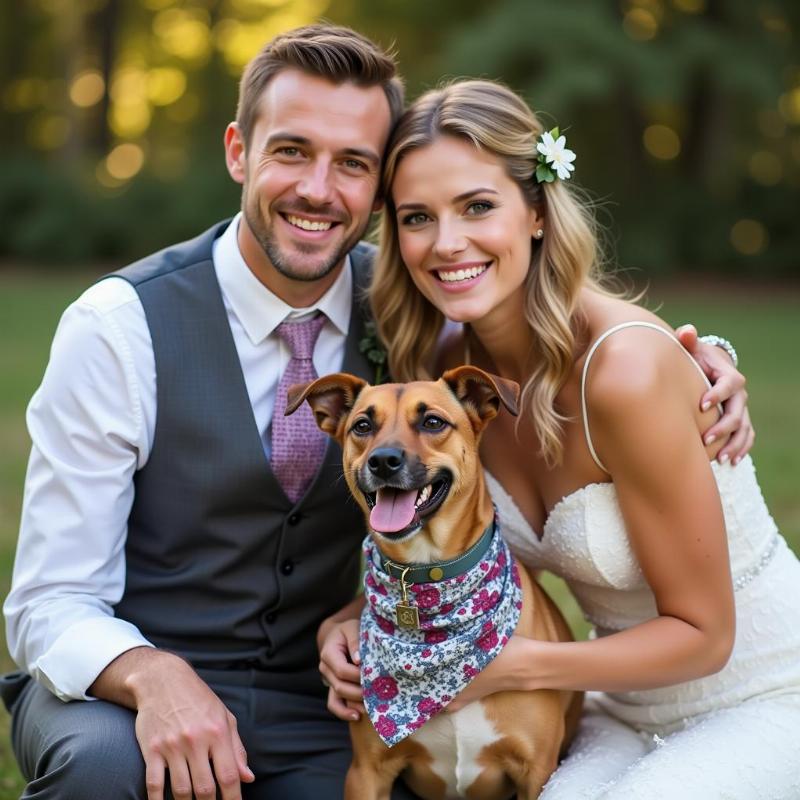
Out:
{"x": 455, "y": 742}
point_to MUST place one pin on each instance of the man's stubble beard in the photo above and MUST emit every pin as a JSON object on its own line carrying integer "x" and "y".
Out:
{"x": 265, "y": 237}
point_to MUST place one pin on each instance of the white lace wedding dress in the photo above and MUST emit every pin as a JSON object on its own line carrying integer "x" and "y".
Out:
{"x": 735, "y": 734}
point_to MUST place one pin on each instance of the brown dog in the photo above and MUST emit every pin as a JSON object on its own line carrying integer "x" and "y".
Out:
{"x": 411, "y": 461}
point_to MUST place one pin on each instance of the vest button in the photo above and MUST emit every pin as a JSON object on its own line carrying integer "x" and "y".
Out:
{"x": 287, "y": 568}
{"x": 294, "y": 519}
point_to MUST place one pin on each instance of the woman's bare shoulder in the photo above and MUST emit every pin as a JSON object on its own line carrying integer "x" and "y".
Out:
{"x": 635, "y": 362}
{"x": 603, "y": 312}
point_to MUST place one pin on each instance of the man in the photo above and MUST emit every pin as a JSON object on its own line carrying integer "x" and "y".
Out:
{"x": 179, "y": 544}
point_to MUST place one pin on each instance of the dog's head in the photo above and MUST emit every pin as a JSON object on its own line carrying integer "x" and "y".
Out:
{"x": 410, "y": 451}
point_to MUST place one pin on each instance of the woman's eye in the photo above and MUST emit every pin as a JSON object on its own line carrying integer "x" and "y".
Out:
{"x": 432, "y": 423}
{"x": 415, "y": 219}
{"x": 479, "y": 207}
{"x": 362, "y": 427}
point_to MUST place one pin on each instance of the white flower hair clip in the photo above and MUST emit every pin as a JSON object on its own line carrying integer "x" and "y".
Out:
{"x": 554, "y": 158}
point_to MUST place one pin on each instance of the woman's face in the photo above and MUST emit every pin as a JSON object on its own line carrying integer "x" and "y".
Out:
{"x": 464, "y": 228}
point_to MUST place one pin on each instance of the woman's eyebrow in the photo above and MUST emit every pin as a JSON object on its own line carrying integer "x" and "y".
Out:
{"x": 457, "y": 199}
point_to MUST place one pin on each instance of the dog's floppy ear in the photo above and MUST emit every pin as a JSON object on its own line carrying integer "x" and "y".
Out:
{"x": 330, "y": 397}
{"x": 482, "y": 393}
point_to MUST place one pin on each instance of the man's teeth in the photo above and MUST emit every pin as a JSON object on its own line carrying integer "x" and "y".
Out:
{"x": 423, "y": 496}
{"x": 307, "y": 224}
{"x": 461, "y": 274}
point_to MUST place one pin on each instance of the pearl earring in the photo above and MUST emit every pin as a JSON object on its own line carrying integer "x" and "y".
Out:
{"x": 539, "y": 233}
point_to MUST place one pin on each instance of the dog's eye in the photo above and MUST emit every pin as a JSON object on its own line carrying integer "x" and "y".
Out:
{"x": 362, "y": 427}
{"x": 432, "y": 423}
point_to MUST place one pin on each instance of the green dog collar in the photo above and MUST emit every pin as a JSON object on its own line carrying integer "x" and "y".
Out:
{"x": 441, "y": 570}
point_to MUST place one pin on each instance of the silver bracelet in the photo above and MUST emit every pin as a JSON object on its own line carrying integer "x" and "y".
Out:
{"x": 718, "y": 341}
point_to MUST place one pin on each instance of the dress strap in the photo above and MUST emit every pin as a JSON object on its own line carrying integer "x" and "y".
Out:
{"x": 600, "y": 339}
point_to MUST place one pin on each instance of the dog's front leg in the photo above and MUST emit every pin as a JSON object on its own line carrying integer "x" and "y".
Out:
{"x": 365, "y": 782}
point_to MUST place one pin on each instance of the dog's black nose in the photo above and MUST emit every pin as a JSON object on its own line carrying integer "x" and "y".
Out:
{"x": 384, "y": 462}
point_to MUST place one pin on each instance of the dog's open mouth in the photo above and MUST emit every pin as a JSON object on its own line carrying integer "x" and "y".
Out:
{"x": 397, "y": 512}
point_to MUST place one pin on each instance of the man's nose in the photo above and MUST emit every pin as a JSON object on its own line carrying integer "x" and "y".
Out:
{"x": 316, "y": 183}
{"x": 384, "y": 462}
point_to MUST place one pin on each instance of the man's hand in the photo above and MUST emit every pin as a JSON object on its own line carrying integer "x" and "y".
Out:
{"x": 181, "y": 725}
{"x": 727, "y": 388}
{"x": 339, "y": 665}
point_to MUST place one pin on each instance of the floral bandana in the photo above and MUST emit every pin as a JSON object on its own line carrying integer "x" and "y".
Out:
{"x": 410, "y": 674}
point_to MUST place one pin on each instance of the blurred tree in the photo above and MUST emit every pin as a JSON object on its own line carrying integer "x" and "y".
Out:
{"x": 113, "y": 113}
{"x": 686, "y": 103}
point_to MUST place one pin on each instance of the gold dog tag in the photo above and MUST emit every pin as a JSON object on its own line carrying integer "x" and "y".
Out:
{"x": 407, "y": 616}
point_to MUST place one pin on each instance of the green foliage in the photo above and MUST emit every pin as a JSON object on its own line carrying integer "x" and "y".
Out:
{"x": 684, "y": 123}
{"x": 716, "y": 79}
{"x": 54, "y": 213}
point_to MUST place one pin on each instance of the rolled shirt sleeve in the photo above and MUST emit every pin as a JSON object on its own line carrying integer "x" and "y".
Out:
{"x": 91, "y": 424}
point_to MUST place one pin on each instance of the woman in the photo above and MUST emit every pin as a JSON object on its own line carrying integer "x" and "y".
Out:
{"x": 604, "y": 478}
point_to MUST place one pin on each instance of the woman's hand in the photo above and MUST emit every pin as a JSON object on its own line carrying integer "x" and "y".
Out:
{"x": 505, "y": 672}
{"x": 727, "y": 388}
{"x": 339, "y": 665}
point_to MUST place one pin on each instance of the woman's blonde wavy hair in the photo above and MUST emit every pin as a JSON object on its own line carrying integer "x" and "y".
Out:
{"x": 498, "y": 121}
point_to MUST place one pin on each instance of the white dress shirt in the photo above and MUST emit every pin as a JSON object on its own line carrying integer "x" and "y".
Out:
{"x": 91, "y": 423}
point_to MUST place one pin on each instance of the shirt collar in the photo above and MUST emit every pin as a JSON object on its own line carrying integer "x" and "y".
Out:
{"x": 258, "y": 309}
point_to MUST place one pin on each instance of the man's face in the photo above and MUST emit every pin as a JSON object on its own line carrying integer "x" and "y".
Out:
{"x": 310, "y": 175}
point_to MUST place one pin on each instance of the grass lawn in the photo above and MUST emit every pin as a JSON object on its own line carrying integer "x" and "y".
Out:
{"x": 763, "y": 323}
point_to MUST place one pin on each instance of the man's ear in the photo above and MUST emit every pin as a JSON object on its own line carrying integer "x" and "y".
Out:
{"x": 481, "y": 394}
{"x": 235, "y": 156}
{"x": 331, "y": 399}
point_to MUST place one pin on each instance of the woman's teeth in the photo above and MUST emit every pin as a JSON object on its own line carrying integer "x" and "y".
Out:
{"x": 454, "y": 276}
{"x": 307, "y": 224}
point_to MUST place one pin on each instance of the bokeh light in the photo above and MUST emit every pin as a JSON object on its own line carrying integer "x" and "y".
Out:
{"x": 789, "y": 106}
{"x": 662, "y": 142}
{"x": 184, "y": 33}
{"x": 124, "y": 161}
{"x": 87, "y": 89}
{"x": 165, "y": 85}
{"x": 749, "y": 237}
{"x": 640, "y": 24}
{"x": 765, "y": 168}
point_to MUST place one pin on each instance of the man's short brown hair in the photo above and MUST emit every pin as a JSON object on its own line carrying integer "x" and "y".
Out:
{"x": 333, "y": 52}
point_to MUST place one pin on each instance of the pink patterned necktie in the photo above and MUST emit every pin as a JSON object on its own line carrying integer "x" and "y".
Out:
{"x": 298, "y": 445}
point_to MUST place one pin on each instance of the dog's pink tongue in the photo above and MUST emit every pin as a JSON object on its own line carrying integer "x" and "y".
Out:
{"x": 393, "y": 510}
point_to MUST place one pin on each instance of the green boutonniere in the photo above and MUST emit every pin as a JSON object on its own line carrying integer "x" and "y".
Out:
{"x": 372, "y": 347}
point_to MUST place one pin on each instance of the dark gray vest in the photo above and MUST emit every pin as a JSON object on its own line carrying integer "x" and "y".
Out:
{"x": 222, "y": 567}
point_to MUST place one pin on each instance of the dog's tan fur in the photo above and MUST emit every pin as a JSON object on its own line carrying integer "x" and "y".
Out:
{"x": 533, "y": 727}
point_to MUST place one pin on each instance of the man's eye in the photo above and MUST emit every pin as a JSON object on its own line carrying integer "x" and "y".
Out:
{"x": 351, "y": 163}
{"x": 432, "y": 423}
{"x": 289, "y": 151}
{"x": 362, "y": 427}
